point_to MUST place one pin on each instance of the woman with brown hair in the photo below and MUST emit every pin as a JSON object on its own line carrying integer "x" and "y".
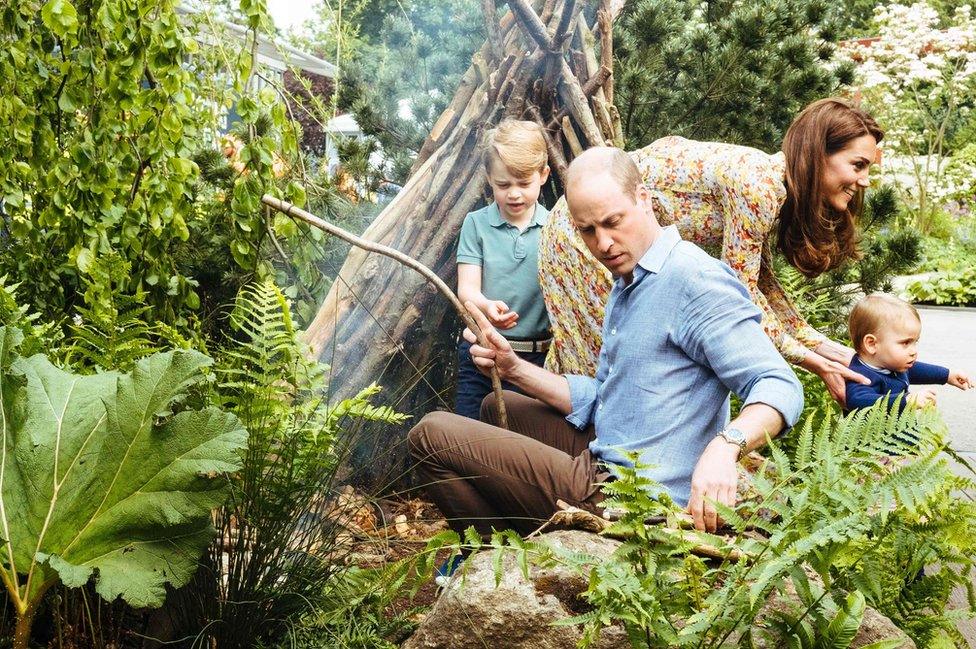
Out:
{"x": 739, "y": 203}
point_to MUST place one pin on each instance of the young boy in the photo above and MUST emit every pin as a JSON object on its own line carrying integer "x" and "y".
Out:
{"x": 885, "y": 331}
{"x": 497, "y": 254}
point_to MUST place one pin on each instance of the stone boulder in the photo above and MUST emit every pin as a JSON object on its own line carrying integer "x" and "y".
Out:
{"x": 519, "y": 613}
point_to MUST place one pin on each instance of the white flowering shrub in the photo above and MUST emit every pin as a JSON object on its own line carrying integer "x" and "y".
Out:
{"x": 918, "y": 78}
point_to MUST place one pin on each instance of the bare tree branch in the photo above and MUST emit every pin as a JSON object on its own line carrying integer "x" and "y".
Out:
{"x": 294, "y": 211}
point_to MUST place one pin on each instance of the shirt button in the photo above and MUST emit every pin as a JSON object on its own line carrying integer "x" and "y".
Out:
{"x": 613, "y": 332}
{"x": 600, "y": 407}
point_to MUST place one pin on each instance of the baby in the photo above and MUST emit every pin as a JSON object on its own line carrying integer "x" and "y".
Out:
{"x": 885, "y": 331}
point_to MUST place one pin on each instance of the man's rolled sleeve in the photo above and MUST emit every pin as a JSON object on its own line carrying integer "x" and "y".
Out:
{"x": 582, "y": 397}
{"x": 722, "y": 331}
{"x": 785, "y": 396}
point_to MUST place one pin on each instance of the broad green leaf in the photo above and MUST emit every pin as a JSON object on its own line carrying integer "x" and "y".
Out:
{"x": 98, "y": 478}
{"x": 60, "y": 16}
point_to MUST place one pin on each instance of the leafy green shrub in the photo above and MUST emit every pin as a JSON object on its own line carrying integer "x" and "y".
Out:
{"x": 354, "y": 609}
{"x": 942, "y": 254}
{"x": 278, "y": 547}
{"x": 953, "y": 287}
{"x": 100, "y": 478}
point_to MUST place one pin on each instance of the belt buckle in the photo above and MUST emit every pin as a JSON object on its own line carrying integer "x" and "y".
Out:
{"x": 530, "y": 346}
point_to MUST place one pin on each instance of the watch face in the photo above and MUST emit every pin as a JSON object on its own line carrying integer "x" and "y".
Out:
{"x": 737, "y": 435}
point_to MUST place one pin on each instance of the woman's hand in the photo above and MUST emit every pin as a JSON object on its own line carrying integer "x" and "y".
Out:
{"x": 834, "y": 351}
{"x": 833, "y": 374}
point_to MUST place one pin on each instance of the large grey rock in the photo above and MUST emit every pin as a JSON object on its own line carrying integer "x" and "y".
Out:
{"x": 519, "y": 613}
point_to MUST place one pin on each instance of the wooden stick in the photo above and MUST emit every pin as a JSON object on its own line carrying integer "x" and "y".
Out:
{"x": 606, "y": 46}
{"x": 570, "y": 135}
{"x": 530, "y": 22}
{"x": 294, "y": 211}
{"x": 578, "y": 106}
{"x": 491, "y": 26}
{"x": 565, "y": 22}
{"x": 557, "y": 161}
{"x": 571, "y": 517}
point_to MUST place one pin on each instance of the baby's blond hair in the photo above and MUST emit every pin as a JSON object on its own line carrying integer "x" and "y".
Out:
{"x": 871, "y": 314}
{"x": 519, "y": 145}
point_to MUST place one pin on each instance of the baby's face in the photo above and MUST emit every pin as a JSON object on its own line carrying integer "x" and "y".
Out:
{"x": 896, "y": 345}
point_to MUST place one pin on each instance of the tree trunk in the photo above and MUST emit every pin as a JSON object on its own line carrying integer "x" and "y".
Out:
{"x": 382, "y": 322}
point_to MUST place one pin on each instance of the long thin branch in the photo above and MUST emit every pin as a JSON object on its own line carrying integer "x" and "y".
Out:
{"x": 294, "y": 211}
{"x": 531, "y": 23}
{"x": 565, "y": 22}
{"x": 495, "y": 47}
{"x": 605, "y": 21}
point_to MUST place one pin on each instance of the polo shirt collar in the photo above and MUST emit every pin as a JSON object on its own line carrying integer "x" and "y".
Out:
{"x": 495, "y": 216}
{"x": 653, "y": 260}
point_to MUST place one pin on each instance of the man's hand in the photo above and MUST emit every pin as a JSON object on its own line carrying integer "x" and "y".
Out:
{"x": 714, "y": 480}
{"x": 922, "y": 398}
{"x": 960, "y": 379}
{"x": 498, "y": 354}
{"x": 499, "y": 315}
{"x": 833, "y": 374}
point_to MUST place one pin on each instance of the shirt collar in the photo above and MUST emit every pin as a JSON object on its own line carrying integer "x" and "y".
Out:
{"x": 876, "y": 369}
{"x": 495, "y": 216}
{"x": 653, "y": 259}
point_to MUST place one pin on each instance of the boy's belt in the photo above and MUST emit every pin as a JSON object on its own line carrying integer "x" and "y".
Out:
{"x": 530, "y": 346}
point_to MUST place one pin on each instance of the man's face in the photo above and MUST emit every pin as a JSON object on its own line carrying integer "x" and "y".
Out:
{"x": 617, "y": 229}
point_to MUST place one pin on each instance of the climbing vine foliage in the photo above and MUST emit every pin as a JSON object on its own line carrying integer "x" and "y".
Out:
{"x": 110, "y": 109}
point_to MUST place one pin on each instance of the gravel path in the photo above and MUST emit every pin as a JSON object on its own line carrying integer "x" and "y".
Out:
{"x": 949, "y": 339}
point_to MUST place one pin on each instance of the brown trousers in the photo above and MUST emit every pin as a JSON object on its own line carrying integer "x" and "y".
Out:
{"x": 484, "y": 476}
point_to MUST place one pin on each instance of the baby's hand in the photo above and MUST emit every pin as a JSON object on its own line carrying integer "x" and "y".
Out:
{"x": 922, "y": 398}
{"x": 960, "y": 379}
{"x": 499, "y": 315}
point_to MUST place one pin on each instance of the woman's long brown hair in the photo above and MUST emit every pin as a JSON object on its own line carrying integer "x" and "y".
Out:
{"x": 813, "y": 236}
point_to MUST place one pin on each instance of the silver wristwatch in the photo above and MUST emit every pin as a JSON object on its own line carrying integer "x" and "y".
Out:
{"x": 734, "y": 436}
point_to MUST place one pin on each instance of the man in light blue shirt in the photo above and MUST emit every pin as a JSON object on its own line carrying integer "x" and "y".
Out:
{"x": 680, "y": 333}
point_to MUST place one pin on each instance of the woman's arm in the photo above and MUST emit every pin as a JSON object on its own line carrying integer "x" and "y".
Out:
{"x": 752, "y": 197}
{"x": 751, "y": 194}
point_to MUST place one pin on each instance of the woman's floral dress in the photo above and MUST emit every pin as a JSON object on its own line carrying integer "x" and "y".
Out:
{"x": 723, "y": 197}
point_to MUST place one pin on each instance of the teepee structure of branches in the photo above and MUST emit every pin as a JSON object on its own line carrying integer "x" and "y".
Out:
{"x": 382, "y": 322}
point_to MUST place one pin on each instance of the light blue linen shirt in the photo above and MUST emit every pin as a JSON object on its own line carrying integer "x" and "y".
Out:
{"x": 676, "y": 341}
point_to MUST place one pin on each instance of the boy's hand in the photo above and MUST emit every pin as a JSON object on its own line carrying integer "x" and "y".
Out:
{"x": 960, "y": 379}
{"x": 922, "y": 398}
{"x": 499, "y": 315}
{"x": 498, "y": 354}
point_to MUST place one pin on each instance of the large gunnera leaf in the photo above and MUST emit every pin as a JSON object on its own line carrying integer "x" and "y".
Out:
{"x": 97, "y": 476}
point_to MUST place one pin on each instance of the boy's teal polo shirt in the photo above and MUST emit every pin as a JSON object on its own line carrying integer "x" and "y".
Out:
{"x": 509, "y": 266}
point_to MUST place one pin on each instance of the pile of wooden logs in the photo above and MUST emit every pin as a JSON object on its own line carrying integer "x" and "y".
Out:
{"x": 382, "y": 322}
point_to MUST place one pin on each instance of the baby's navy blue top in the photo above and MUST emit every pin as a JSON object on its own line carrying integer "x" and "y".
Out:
{"x": 893, "y": 386}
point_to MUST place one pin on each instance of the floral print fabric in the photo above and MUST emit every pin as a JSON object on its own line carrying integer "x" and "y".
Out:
{"x": 723, "y": 197}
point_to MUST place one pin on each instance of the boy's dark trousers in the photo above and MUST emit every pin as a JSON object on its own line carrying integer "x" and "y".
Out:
{"x": 473, "y": 386}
